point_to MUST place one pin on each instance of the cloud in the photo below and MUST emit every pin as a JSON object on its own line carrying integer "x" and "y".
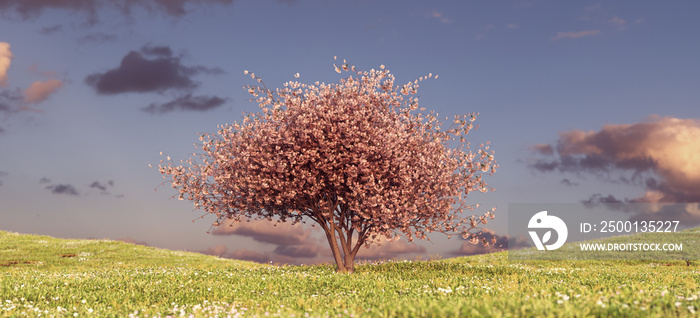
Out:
{"x": 40, "y": 91}
{"x": 139, "y": 74}
{"x": 389, "y": 250}
{"x": 688, "y": 215}
{"x": 306, "y": 251}
{"x": 5, "y": 59}
{"x": 502, "y": 243}
{"x": 176, "y": 8}
{"x": 11, "y": 100}
{"x": 34, "y": 8}
{"x": 218, "y": 250}
{"x": 574, "y": 35}
{"x": 475, "y": 249}
{"x": 10, "y": 103}
{"x": 651, "y": 209}
{"x": 599, "y": 198}
{"x": 249, "y": 255}
{"x": 662, "y": 154}
{"x": 30, "y": 9}
{"x": 293, "y": 241}
{"x": 568, "y": 182}
{"x": 264, "y": 231}
{"x": 164, "y": 51}
{"x": 101, "y": 186}
{"x": 15, "y": 100}
{"x": 63, "y": 189}
{"x": 186, "y": 102}
{"x": 543, "y": 149}
{"x": 51, "y": 30}
{"x": 57, "y": 188}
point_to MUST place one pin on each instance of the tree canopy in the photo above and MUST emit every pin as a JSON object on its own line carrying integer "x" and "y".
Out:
{"x": 359, "y": 158}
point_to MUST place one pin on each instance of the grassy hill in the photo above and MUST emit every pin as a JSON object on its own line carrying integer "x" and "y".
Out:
{"x": 44, "y": 276}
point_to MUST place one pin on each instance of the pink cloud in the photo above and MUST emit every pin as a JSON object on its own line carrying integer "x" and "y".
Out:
{"x": 218, "y": 250}
{"x": 5, "y": 59}
{"x": 267, "y": 231}
{"x": 307, "y": 250}
{"x": 40, "y": 91}
{"x": 544, "y": 149}
{"x": 665, "y": 147}
{"x": 293, "y": 241}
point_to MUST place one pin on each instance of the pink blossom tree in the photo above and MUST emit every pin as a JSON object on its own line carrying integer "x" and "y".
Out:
{"x": 358, "y": 158}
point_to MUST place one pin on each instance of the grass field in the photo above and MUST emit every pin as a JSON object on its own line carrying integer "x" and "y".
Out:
{"x": 44, "y": 276}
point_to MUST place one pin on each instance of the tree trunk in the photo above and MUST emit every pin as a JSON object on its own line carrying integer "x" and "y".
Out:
{"x": 345, "y": 262}
{"x": 350, "y": 263}
{"x": 330, "y": 235}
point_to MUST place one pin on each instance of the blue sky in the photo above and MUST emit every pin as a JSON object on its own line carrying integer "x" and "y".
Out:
{"x": 93, "y": 91}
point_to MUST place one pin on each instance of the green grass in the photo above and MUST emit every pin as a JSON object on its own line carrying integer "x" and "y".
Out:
{"x": 44, "y": 276}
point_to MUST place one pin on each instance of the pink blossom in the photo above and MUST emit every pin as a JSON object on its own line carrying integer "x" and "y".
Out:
{"x": 354, "y": 157}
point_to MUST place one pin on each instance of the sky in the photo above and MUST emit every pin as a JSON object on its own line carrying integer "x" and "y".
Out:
{"x": 582, "y": 101}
